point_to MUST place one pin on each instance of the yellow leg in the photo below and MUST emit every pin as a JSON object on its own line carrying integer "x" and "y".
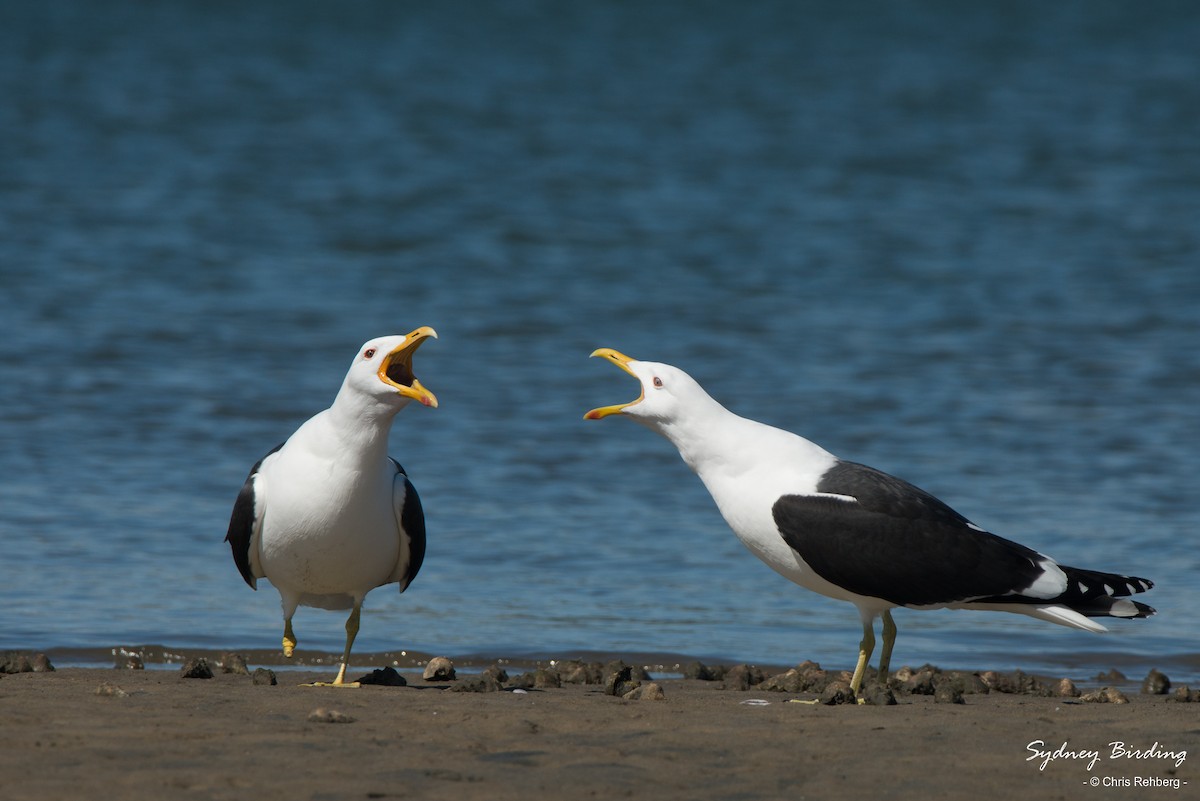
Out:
{"x": 865, "y": 647}
{"x": 889, "y": 640}
{"x": 351, "y": 633}
{"x": 289, "y": 638}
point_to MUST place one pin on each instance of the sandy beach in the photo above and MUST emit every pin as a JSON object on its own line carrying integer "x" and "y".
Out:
{"x": 154, "y": 734}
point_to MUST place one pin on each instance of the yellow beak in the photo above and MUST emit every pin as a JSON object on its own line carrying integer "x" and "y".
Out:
{"x": 397, "y": 371}
{"x": 622, "y": 361}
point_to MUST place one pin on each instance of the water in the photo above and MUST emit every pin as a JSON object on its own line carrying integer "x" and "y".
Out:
{"x": 960, "y": 244}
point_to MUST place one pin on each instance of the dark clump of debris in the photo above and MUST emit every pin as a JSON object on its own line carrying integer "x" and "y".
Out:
{"x": 384, "y": 677}
{"x": 24, "y": 662}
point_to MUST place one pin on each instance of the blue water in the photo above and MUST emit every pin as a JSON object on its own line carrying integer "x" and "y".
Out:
{"x": 961, "y": 244}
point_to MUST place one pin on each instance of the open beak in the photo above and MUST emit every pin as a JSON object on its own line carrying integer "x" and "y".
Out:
{"x": 396, "y": 370}
{"x": 622, "y": 361}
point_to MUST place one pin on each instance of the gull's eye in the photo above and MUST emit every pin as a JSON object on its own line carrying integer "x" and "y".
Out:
{"x": 657, "y": 382}
{"x": 369, "y": 353}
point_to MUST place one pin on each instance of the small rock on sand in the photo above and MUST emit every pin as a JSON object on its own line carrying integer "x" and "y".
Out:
{"x": 111, "y": 690}
{"x": 24, "y": 662}
{"x": 650, "y": 691}
{"x": 1186, "y": 695}
{"x": 948, "y": 693}
{"x": 702, "y": 672}
{"x": 620, "y": 682}
{"x": 264, "y": 676}
{"x": 197, "y": 668}
{"x": 486, "y": 682}
{"x": 743, "y": 677}
{"x": 1107, "y": 695}
{"x": 804, "y": 678}
{"x": 1156, "y": 683}
{"x": 837, "y": 692}
{"x": 541, "y": 679}
{"x": 578, "y": 672}
{"x": 234, "y": 663}
{"x": 439, "y": 669}
{"x": 323, "y": 715}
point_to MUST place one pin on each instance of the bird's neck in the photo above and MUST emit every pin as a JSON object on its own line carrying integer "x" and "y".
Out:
{"x": 710, "y": 438}
{"x": 360, "y": 424}
{"x": 719, "y": 445}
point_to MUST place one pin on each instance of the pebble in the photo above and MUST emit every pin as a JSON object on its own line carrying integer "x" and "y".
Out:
{"x": 24, "y": 662}
{"x": 1186, "y": 695}
{"x": 743, "y": 677}
{"x": 541, "y": 679}
{"x": 650, "y": 691}
{"x": 439, "y": 669}
{"x": 947, "y": 693}
{"x": 1156, "y": 683}
{"x": 234, "y": 663}
{"x": 483, "y": 683}
{"x": 264, "y": 676}
{"x": 701, "y": 672}
{"x": 876, "y": 695}
{"x": 807, "y": 677}
{"x": 1107, "y": 695}
{"x": 323, "y": 715}
{"x": 620, "y": 682}
{"x": 577, "y": 672}
{"x": 111, "y": 691}
{"x": 197, "y": 668}
{"x": 837, "y": 692}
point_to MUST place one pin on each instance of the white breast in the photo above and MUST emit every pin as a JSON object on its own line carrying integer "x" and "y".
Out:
{"x": 328, "y": 529}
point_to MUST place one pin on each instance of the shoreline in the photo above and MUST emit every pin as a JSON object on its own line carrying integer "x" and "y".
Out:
{"x": 153, "y": 733}
{"x": 1102, "y": 666}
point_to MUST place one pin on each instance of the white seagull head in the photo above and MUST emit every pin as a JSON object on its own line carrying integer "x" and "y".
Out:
{"x": 667, "y": 393}
{"x": 383, "y": 370}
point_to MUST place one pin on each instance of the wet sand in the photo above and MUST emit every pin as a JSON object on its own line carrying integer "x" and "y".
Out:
{"x": 153, "y": 734}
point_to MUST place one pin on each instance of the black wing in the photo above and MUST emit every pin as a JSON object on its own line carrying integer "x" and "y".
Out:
{"x": 898, "y": 542}
{"x": 241, "y": 523}
{"x": 412, "y": 524}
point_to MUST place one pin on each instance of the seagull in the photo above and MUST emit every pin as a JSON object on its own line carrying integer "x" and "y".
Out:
{"x": 327, "y": 516}
{"x": 855, "y": 533}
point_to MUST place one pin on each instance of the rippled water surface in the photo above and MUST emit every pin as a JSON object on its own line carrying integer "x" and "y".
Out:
{"x": 959, "y": 244}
